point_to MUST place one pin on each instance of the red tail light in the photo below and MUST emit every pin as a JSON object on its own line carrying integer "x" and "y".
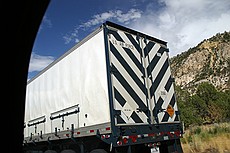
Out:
{"x": 125, "y": 140}
{"x": 133, "y": 138}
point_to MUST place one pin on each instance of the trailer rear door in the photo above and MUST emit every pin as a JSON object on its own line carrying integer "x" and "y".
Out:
{"x": 127, "y": 75}
{"x": 159, "y": 82}
{"x": 141, "y": 79}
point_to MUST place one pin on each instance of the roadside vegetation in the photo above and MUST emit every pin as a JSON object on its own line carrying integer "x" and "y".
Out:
{"x": 213, "y": 138}
{"x": 205, "y": 106}
{"x": 206, "y": 118}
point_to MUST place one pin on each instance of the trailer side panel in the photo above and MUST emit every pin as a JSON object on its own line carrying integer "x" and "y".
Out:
{"x": 72, "y": 90}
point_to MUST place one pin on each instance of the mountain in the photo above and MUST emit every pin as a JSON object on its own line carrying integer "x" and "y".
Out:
{"x": 209, "y": 61}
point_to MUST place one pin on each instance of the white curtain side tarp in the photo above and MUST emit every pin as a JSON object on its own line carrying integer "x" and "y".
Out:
{"x": 78, "y": 78}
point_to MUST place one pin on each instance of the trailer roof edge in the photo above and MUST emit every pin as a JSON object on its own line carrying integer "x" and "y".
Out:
{"x": 112, "y": 24}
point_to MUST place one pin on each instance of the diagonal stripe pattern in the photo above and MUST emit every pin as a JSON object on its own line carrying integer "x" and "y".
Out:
{"x": 158, "y": 70}
{"x": 140, "y": 73}
{"x": 127, "y": 77}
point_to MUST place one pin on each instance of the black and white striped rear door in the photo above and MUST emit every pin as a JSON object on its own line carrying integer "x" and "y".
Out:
{"x": 127, "y": 76}
{"x": 159, "y": 82}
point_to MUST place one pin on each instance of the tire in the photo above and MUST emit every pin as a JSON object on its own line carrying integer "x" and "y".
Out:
{"x": 98, "y": 151}
{"x": 68, "y": 151}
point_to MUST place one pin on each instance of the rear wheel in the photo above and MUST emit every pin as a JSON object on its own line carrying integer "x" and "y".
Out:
{"x": 98, "y": 151}
{"x": 133, "y": 149}
{"x": 171, "y": 146}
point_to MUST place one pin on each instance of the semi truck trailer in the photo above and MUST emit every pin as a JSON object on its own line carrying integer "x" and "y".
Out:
{"x": 112, "y": 92}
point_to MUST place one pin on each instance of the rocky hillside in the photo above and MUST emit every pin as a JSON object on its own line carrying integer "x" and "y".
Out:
{"x": 209, "y": 61}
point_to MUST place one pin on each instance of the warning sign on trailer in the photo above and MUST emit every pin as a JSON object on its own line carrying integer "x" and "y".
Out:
{"x": 170, "y": 110}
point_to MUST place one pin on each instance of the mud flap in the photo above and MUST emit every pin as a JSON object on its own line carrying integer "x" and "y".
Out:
{"x": 172, "y": 146}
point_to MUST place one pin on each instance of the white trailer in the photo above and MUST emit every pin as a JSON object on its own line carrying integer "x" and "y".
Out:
{"x": 112, "y": 92}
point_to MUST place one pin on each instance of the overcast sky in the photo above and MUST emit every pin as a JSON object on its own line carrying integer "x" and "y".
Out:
{"x": 181, "y": 23}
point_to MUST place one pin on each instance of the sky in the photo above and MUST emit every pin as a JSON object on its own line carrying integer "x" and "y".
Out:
{"x": 181, "y": 23}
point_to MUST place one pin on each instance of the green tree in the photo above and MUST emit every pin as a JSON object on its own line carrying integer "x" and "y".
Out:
{"x": 223, "y": 102}
{"x": 188, "y": 113}
{"x": 207, "y": 105}
{"x": 215, "y": 104}
{"x": 227, "y": 93}
{"x": 207, "y": 92}
{"x": 200, "y": 108}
